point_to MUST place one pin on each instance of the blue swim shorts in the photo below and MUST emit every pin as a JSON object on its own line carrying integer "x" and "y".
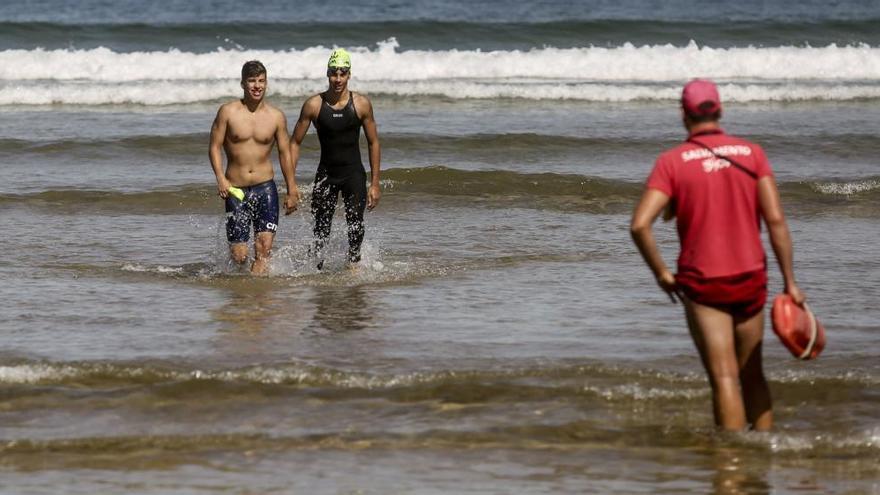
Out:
{"x": 259, "y": 209}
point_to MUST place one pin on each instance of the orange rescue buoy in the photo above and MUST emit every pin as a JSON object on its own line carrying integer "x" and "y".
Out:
{"x": 797, "y": 328}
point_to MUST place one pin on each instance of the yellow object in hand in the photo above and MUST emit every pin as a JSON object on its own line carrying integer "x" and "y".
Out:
{"x": 236, "y": 192}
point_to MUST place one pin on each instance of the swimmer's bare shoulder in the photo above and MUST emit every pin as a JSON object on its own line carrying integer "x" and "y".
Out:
{"x": 229, "y": 108}
{"x": 362, "y": 99}
{"x": 363, "y": 105}
{"x": 229, "y": 113}
{"x": 225, "y": 115}
{"x": 311, "y": 107}
{"x": 276, "y": 114}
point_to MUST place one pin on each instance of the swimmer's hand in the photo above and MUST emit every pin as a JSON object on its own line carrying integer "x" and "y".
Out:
{"x": 373, "y": 196}
{"x": 291, "y": 202}
{"x": 223, "y": 186}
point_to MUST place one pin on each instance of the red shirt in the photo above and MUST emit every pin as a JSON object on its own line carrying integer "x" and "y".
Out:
{"x": 717, "y": 210}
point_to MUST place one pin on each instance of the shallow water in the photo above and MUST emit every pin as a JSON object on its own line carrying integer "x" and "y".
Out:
{"x": 503, "y": 333}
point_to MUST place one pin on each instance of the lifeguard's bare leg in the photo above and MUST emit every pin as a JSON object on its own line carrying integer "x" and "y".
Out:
{"x": 749, "y": 334}
{"x": 713, "y": 333}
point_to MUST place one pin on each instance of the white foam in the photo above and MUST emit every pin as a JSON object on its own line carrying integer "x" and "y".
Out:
{"x": 137, "y": 268}
{"x": 314, "y": 375}
{"x": 616, "y": 74}
{"x": 847, "y": 188}
{"x": 23, "y": 374}
{"x": 792, "y": 442}
{"x": 639, "y": 393}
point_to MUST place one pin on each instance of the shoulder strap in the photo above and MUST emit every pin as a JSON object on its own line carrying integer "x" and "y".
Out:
{"x": 731, "y": 160}
{"x": 351, "y": 104}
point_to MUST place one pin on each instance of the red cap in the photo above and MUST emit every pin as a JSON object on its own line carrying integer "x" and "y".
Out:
{"x": 697, "y": 96}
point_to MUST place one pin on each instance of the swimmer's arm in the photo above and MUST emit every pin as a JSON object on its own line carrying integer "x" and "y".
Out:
{"x": 780, "y": 238}
{"x": 292, "y": 199}
{"x": 215, "y": 150}
{"x": 308, "y": 113}
{"x": 372, "y": 135}
{"x": 649, "y": 208}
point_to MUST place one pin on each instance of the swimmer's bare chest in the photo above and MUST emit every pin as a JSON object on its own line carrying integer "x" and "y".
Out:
{"x": 248, "y": 145}
{"x": 246, "y": 128}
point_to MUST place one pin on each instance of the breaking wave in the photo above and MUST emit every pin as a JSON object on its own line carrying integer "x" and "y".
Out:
{"x": 607, "y": 74}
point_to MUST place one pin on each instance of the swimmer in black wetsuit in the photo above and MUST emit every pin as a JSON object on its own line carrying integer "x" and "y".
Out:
{"x": 338, "y": 115}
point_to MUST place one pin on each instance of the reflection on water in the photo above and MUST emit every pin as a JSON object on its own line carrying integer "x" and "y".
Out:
{"x": 737, "y": 475}
{"x": 264, "y": 317}
{"x": 341, "y": 309}
{"x": 253, "y": 304}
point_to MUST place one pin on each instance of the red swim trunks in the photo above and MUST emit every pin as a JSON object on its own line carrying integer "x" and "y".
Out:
{"x": 742, "y": 295}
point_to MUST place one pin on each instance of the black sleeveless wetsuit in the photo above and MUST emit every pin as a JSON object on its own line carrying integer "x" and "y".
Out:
{"x": 340, "y": 170}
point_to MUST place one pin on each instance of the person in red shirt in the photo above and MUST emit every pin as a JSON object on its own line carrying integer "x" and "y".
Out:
{"x": 719, "y": 187}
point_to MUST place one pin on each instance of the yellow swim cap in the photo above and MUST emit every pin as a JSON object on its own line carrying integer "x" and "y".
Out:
{"x": 339, "y": 58}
